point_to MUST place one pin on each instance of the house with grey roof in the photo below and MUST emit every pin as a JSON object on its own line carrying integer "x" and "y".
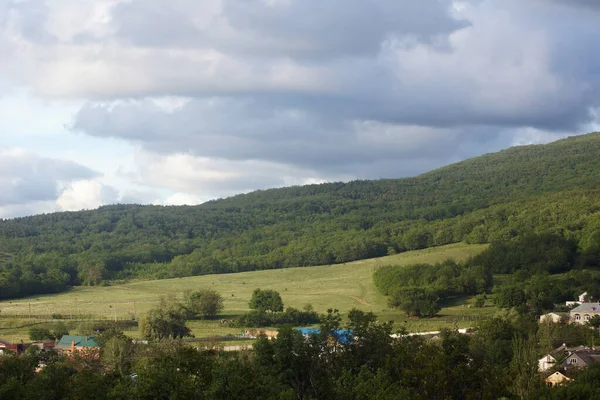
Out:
{"x": 581, "y": 358}
{"x": 582, "y": 313}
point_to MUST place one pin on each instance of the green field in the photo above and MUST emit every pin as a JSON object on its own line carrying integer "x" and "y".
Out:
{"x": 339, "y": 286}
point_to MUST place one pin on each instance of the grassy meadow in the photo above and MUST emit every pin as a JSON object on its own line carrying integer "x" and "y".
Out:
{"x": 342, "y": 286}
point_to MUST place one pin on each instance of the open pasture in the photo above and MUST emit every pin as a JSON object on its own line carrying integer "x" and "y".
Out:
{"x": 341, "y": 286}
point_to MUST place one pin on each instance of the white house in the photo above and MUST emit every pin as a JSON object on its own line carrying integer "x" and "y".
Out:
{"x": 581, "y": 299}
{"x": 546, "y": 362}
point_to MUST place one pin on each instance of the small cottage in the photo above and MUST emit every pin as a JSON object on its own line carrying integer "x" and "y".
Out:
{"x": 556, "y": 379}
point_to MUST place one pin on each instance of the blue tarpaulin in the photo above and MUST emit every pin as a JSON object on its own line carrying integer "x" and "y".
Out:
{"x": 341, "y": 335}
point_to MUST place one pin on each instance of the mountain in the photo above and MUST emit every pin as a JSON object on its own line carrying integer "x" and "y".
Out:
{"x": 497, "y": 196}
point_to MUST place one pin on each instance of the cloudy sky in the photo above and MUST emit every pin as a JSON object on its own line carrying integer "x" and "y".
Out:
{"x": 181, "y": 101}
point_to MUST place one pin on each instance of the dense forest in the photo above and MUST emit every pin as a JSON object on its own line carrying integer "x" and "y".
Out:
{"x": 498, "y": 197}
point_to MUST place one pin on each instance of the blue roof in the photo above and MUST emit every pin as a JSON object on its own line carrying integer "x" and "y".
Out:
{"x": 309, "y": 331}
{"x": 344, "y": 336}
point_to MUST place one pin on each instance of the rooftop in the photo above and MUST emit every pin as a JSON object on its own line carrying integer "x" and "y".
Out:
{"x": 587, "y": 307}
{"x": 80, "y": 341}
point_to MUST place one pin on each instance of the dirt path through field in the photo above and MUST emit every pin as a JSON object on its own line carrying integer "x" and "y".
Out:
{"x": 361, "y": 301}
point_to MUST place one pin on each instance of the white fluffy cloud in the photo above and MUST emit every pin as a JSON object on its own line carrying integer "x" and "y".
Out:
{"x": 206, "y": 178}
{"x": 87, "y": 194}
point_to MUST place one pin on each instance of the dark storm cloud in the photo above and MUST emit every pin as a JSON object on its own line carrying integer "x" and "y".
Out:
{"x": 393, "y": 105}
{"x": 239, "y": 130}
{"x": 292, "y": 28}
{"x": 590, "y": 4}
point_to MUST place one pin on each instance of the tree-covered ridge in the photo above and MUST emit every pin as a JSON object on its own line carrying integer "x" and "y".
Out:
{"x": 495, "y": 197}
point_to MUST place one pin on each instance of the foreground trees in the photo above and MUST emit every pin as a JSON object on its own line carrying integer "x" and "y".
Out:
{"x": 497, "y": 360}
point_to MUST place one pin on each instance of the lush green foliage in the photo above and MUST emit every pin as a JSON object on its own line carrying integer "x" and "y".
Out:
{"x": 166, "y": 321}
{"x": 537, "y": 254}
{"x": 416, "y": 301}
{"x": 418, "y": 289}
{"x": 499, "y": 360}
{"x": 206, "y": 303}
{"x": 266, "y": 300}
{"x": 291, "y": 316}
{"x": 37, "y": 334}
{"x": 492, "y": 198}
{"x": 267, "y": 310}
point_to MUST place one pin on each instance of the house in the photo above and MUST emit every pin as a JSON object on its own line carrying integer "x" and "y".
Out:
{"x": 555, "y": 317}
{"x": 556, "y": 379}
{"x": 582, "y": 313}
{"x": 44, "y": 344}
{"x": 254, "y": 333}
{"x": 70, "y": 344}
{"x": 546, "y": 362}
{"x": 581, "y": 299}
{"x": 3, "y": 346}
{"x": 581, "y": 358}
{"x": 16, "y": 348}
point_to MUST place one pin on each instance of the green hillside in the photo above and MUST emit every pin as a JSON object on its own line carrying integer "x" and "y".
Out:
{"x": 341, "y": 286}
{"x": 494, "y": 197}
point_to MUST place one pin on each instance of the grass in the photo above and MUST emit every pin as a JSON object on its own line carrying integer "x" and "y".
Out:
{"x": 342, "y": 286}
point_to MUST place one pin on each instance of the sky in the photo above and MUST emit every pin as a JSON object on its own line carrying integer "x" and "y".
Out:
{"x": 180, "y": 102}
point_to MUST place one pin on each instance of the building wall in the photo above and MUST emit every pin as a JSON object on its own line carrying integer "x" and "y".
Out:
{"x": 556, "y": 379}
{"x": 546, "y": 363}
{"x": 550, "y": 317}
{"x": 583, "y": 316}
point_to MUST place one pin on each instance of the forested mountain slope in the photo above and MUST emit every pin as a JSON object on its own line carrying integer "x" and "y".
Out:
{"x": 494, "y": 197}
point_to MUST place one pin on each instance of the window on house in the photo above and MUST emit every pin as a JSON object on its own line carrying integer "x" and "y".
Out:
{"x": 586, "y": 317}
{"x": 577, "y": 317}
{"x": 573, "y": 361}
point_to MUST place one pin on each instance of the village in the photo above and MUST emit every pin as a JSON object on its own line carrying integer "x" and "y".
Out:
{"x": 556, "y": 367}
